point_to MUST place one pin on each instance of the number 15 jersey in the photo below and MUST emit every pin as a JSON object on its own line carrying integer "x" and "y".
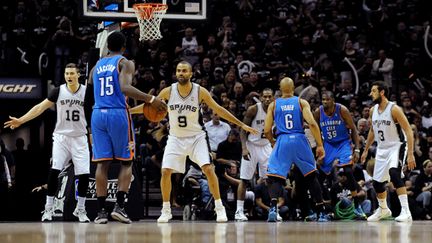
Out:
{"x": 184, "y": 113}
{"x": 106, "y": 82}
{"x": 387, "y": 132}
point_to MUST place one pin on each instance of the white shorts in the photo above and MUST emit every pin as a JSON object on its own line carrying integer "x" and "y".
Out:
{"x": 66, "y": 148}
{"x": 388, "y": 158}
{"x": 258, "y": 155}
{"x": 178, "y": 148}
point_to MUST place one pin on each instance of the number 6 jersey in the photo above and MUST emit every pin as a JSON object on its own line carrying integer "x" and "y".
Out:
{"x": 387, "y": 132}
{"x": 70, "y": 111}
{"x": 184, "y": 113}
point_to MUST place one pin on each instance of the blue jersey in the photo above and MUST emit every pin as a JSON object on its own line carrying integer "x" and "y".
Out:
{"x": 288, "y": 116}
{"x": 333, "y": 127}
{"x": 106, "y": 84}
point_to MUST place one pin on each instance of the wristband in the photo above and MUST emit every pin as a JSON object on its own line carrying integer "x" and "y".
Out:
{"x": 152, "y": 99}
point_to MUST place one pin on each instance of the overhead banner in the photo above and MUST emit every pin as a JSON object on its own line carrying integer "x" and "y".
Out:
{"x": 20, "y": 88}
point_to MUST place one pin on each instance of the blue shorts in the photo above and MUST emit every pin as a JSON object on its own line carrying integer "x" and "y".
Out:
{"x": 291, "y": 148}
{"x": 113, "y": 136}
{"x": 341, "y": 151}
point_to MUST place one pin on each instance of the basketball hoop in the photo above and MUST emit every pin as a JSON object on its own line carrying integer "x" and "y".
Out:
{"x": 149, "y": 17}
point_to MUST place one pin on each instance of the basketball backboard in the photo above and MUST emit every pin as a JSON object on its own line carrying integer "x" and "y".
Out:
{"x": 123, "y": 11}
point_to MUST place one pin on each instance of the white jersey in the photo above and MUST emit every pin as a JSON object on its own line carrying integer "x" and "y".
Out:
{"x": 70, "y": 112}
{"x": 184, "y": 112}
{"x": 385, "y": 129}
{"x": 258, "y": 124}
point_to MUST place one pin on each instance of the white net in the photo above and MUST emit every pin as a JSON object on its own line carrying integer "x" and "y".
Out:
{"x": 149, "y": 17}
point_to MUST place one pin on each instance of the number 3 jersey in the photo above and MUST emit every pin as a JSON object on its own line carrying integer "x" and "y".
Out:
{"x": 70, "y": 111}
{"x": 387, "y": 133}
{"x": 333, "y": 127}
{"x": 184, "y": 113}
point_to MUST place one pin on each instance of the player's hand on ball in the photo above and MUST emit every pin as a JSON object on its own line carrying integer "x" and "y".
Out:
{"x": 160, "y": 105}
{"x": 411, "y": 162}
{"x": 249, "y": 129}
{"x": 320, "y": 153}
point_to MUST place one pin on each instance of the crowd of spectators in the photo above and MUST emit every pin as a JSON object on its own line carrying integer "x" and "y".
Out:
{"x": 245, "y": 46}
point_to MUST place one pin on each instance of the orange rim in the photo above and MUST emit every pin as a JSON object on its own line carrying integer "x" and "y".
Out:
{"x": 145, "y": 10}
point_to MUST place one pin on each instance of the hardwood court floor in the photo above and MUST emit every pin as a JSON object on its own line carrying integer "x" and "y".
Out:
{"x": 209, "y": 231}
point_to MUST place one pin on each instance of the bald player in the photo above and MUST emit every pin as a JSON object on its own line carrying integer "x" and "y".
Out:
{"x": 292, "y": 146}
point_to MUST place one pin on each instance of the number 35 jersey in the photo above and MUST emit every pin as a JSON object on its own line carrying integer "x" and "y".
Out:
{"x": 70, "y": 111}
{"x": 387, "y": 132}
{"x": 333, "y": 127}
{"x": 184, "y": 113}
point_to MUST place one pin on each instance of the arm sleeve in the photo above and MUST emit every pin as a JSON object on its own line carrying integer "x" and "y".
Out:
{"x": 54, "y": 94}
{"x": 88, "y": 103}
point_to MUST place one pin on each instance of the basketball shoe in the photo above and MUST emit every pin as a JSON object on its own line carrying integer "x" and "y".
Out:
{"x": 240, "y": 216}
{"x": 380, "y": 213}
{"x": 120, "y": 214}
{"x": 221, "y": 214}
{"x": 81, "y": 214}
{"x": 404, "y": 216}
{"x": 359, "y": 213}
{"x": 166, "y": 215}
{"x": 102, "y": 217}
{"x": 47, "y": 214}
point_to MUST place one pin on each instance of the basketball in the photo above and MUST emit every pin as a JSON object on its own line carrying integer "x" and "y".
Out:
{"x": 151, "y": 114}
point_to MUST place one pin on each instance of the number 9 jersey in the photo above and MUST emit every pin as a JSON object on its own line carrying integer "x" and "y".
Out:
{"x": 184, "y": 113}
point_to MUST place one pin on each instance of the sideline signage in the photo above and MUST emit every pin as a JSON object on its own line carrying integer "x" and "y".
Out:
{"x": 20, "y": 88}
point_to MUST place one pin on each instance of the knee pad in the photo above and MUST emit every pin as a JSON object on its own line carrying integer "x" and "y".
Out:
{"x": 52, "y": 181}
{"x": 83, "y": 181}
{"x": 379, "y": 186}
{"x": 126, "y": 163}
{"x": 395, "y": 178}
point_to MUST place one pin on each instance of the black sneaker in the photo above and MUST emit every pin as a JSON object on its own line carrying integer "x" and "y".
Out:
{"x": 102, "y": 217}
{"x": 119, "y": 214}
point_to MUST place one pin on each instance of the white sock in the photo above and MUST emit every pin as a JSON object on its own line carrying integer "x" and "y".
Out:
{"x": 382, "y": 203}
{"x": 166, "y": 205}
{"x": 49, "y": 202}
{"x": 81, "y": 202}
{"x": 218, "y": 203}
{"x": 240, "y": 205}
{"x": 404, "y": 202}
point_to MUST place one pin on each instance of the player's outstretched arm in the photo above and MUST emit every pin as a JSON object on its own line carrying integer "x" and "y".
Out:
{"x": 399, "y": 117}
{"x": 222, "y": 112}
{"x": 268, "y": 124}
{"x": 248, "y": 118}
{"x": 126, "y": 76}
{"x": 354, "y": 133}
{"x": 163, "y": 95}
{"x": 31, "y": 114}
{"x": 313, "y": 126}
{"x": 370, "y": 139}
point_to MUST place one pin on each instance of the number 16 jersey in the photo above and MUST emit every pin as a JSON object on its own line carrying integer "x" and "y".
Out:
{"x": 386, "y": 131}
{"x": 184, "y": 113}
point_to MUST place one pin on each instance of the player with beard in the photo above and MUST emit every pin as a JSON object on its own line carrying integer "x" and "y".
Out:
{"x": 337, "y": 127}
{"x": 387, "y": 118}
{"x": 187, "y": 136}
{"x": 256, "y": 149}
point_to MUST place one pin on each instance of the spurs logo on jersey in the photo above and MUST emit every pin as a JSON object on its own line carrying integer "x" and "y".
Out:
{"x": 385, "y": 129}
{"x": 70, "y": 112}
{"x": 183, "y": 112}
{"x": 258, "y": 124}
